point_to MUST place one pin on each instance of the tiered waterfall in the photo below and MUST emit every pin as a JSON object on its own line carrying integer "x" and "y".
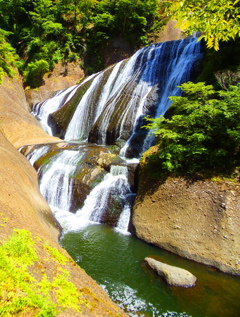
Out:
{"x": 100, "y": 120}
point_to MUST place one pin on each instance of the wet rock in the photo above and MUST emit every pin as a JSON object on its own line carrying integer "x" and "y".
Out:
{"x": 105, "y": 160}
{"x": 172, "y": 275}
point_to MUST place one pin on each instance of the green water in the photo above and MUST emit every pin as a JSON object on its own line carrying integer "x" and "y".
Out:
{"x": 115, "y": 261}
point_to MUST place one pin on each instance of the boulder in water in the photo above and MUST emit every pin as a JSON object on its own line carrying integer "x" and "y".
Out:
{"x": 172, "y": 275}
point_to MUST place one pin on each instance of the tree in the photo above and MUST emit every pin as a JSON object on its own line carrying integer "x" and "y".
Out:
{"x": 64, "y": 30}
{"x": 127, "y": 20}
{"x": 217, "y": 20}
{"x": 7, "y": 56}
{"x": 203, "y": 135}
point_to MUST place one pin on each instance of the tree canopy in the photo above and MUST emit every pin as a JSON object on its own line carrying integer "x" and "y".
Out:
{"x": 48, "y": 31}
{"x": 217, "y": 20}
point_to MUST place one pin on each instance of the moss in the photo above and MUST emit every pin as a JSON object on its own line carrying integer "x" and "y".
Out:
{"x": 18, "y": 291}
{"x": 26, "y": 288}
{"x": 56, "y": 255}
{"x": 44, "y": 160}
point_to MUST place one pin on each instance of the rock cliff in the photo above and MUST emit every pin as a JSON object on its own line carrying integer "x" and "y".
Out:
{"x": 16, "y": 123}
{"x": 198, "y": 220}
{"x": 23, "y": 207}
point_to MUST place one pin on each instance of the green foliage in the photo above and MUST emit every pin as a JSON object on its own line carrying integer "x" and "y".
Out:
{"x": 34, "y": 72}
{"x": 65, "y": 30}
{"x": 21, "y": 247}
{"x": 18, "y": 292}
{"x": 7, "y": 56}
{"x": 21, "y": 293}
{"x": 218, "y": 20}
{"x": 59, "y": 257}
{"x": 129, "y": 19}
{"x": 203, "y": 135}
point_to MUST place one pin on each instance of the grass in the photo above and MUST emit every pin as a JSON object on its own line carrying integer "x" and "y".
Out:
{"x": 25, "y": 286}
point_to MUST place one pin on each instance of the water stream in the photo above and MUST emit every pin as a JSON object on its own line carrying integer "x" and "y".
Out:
{"x": 88, "y": 179}
{"x": 115, "y": 261}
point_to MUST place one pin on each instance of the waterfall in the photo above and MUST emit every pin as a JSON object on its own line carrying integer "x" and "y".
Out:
{"x": 35, "y": 155}
{"x": 97, "y": 202}
{"x": 42, "y": 110}
{"x": 55, "y": 183}
{"x": 124, "y": 219}
{"x": 108, "y": 108}
{"x": 117, "y": 99}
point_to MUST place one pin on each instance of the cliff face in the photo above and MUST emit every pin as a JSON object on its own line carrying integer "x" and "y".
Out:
{"x": 64, "y": 75}
{"x": 198, "y": 220}
{"x": 23, "y": 207}
{"x": 16, "y": 123}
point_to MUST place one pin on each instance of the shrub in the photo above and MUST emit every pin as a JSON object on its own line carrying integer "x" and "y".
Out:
{"x": 35, "y": 71}
{"x": 203, "y": 134}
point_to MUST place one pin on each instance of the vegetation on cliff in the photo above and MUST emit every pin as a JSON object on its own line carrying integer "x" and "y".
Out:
{"x": 7, "y": 56}
{"x": 25, "y": 287}
{"x": 200, "y": 132}
{"x": 44, "y": 32}
{"x": 202, "y": 135}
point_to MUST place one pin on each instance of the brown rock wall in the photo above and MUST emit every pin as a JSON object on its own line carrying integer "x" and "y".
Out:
{"x": 16, "y": 123}
{"x": 170, "y": 32}
{"x": 198, "y": 220}
{"x": 64, "y": 75}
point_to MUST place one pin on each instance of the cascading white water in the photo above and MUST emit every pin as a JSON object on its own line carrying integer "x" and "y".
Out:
{"x": 42, "y": 110}
{"x": 97, "y": 202}
{"x": 37, "y": 153}
{"x": 55, "y": 183}
{"x": 112, "y": 108}
{"x": 55, "y": 178}
{"x": 179, "y": 65}
{"x": 126, "y": 92}
{"x": 124, "y": 219}
{"x": 117, "y": 181}
{"x": 79, "y": 127}
{"x": 82, "y": 122}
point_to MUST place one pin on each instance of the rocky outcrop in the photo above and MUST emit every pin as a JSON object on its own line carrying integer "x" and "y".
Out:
{"x": 16, "y": 123}
{"x": 198, "y": 220}
{"x": 23, "y": 207}
{"x": 170, "y": 32}
{"x": 173, "y": 275}
{"x": 20, "y": 200}
{"x": 63, "y": 76}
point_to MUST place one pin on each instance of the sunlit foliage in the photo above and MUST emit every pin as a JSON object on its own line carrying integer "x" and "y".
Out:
{"x": 217, "y": 20}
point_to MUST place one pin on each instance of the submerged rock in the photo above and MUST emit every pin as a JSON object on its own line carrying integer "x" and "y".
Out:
{"x": 172, "y": 275}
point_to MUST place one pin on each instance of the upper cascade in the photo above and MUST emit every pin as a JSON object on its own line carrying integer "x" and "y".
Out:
{"x": 109, "y": 107}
